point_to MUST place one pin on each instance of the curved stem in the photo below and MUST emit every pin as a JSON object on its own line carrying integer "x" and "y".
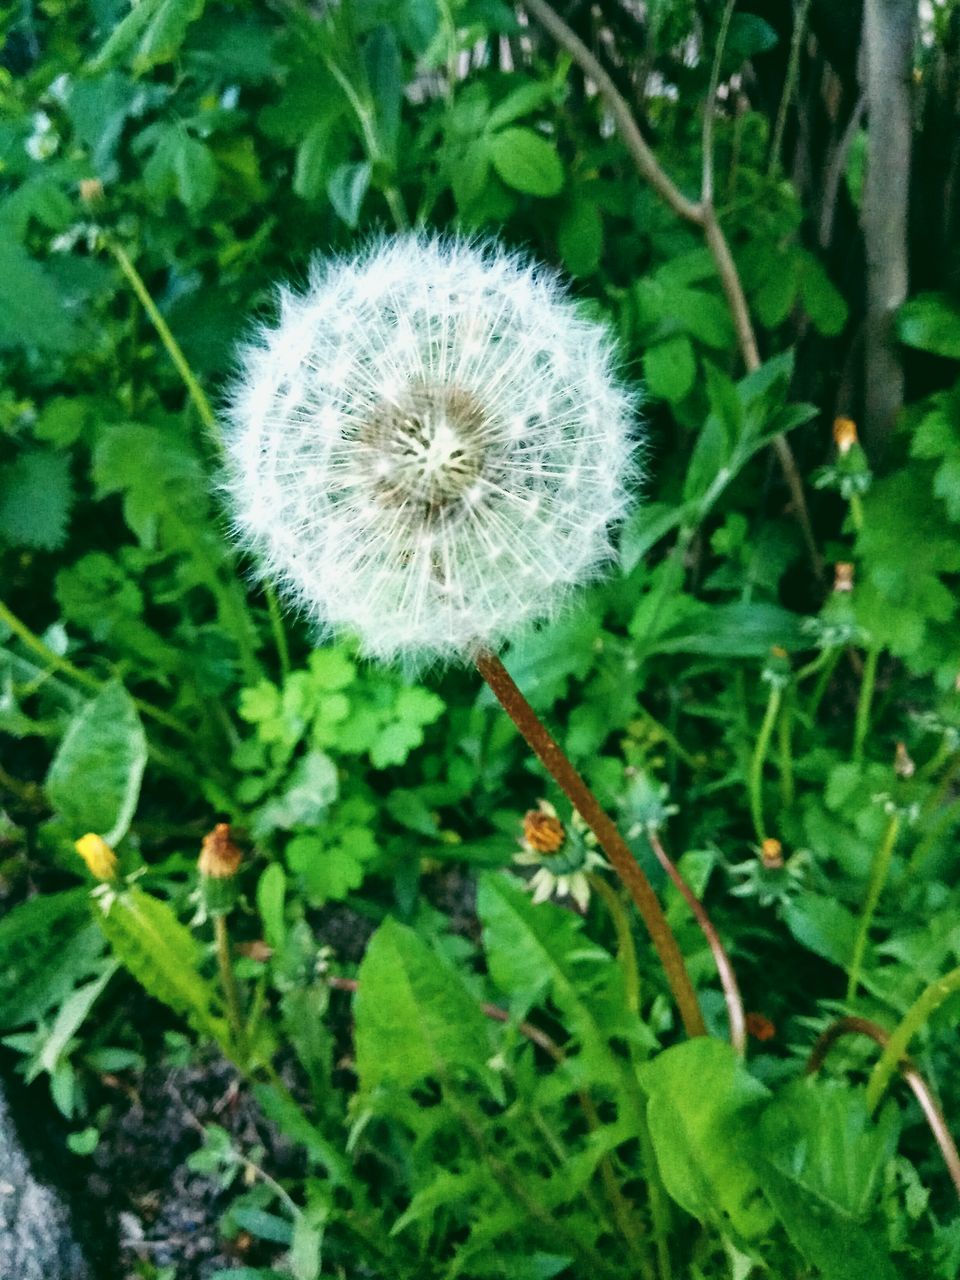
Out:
{"x": 697, "y": 212}
{"x": 864, "y": 703}
{"x": 758, "y": 759}
{"x": 626, "y": 951}
{"x": 555, "y": 761}
{"x": 914, "y": 1079}
{"x": 725, "y": 970}
{"x": 878, "y": 878}
{"x": 913, "y": 1020}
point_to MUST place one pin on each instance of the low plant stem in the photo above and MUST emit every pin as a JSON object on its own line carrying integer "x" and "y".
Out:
{"x": 558, "y": 765}
{"x": 785, "y": 727}
{"x": 758, "y": 759}
{"x": 59, "y": 663}
{"x": 864, "y": 703}
{"x": 200, "y": 401}
{"x": 913, "y": 1020}
{"x": 878, "y": 878}
{"x": 626, "y": 951}
{"x": 728, "y": 978}
{"x": 228, "y": 981}
{"x": 823, "y": 683}
{"x": 914, "y": 1079}
{"x": 789, "y": 88}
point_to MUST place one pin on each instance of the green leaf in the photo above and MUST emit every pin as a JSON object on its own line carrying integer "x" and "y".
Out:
{"x": 32, "y": 312}
{"x": 329, "y": 870}
{"x": 271, "y": 893}
{"x": 151, "y": 33}
{"x": 580, "y": 235}
{"x": 381, "y": 55}
{"x": 195, "y": 172}
{"x": 164, "y": 957}
{"x": 527, "y": 162}
{"x": 414, "y": 1016}
{"x": 823, "y": 926}
{"x": 739, "y": 630}
{"x": 94, "y": 780}
{"x": 347, "y": 187}
{"x": 823, "y": 1160}
{"x": 47, "y": 945}
{"x": 702, "y": 1109}
{"x": 521, "y": 101}
{"x": 931, "y": 321}
{"x": 823, "y": 301}
{"x": 670, "y": 368}
{"x": 36, "y": 496}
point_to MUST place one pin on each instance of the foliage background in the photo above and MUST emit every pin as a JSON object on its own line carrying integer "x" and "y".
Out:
{"x": 198, "y": 153}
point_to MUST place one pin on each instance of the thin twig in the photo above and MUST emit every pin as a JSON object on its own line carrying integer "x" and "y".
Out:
{"x": 725, "y": 970}
{"x": 789, "y": 88}
{"x": 914, "y": 1079}
{"x": 554, "y": 759}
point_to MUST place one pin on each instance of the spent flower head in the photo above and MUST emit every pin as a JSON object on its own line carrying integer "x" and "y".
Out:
{"x": 431, "y": 446}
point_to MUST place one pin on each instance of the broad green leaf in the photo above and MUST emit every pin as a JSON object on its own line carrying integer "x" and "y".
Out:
{"x": 670, "y": 368}
{"x": 164, "y": 957}
{"x": 823, "y": 926}
{"x": 381, "y": 55}
{"x": 414, "y": 1016}
{"x": 823, "y": 301}
{"x": 739, "y": 630}
{"x": 931, "y": 321}
{"x": 520, "y": 101}
{"x": 823, "y": 1159}
{"x": 527, "y": 162}
{"x": 47, "y": 945}
{"x": 702, "y": 1110}
{"x": 94, "y": 780}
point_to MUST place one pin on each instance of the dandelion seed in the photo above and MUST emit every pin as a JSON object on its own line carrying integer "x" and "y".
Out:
{"x": 431, "y": 448}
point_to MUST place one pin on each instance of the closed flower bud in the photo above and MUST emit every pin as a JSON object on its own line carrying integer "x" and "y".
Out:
{"x": 100, "y": 859}
{"x": 771, "y": 854}
{"x": 844, "y": 435}
{"x": 542, "y": 831}
{"x": 431, "y": 447}
{"x": 843, "y": 573}
{"x": 218, "y": 865}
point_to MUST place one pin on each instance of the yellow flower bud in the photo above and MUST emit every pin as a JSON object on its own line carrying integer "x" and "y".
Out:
{"x": 100, "y": 859}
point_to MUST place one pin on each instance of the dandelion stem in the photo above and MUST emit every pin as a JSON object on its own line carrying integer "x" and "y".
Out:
{"x": 864, "y": 703}
{"x": 914, "y": 1079}
{"x": 228, "y": 981}
{"x": 174, "y": 351}
{"x": 916, "y": 1016}
{"x": 626, "y": 951}
{"x": 755, "y": 776}
{"x": 228, "y": 598}
{"x": 878, "y": 878}
{"x": 725, "y": 970}
{"x": 558, "y": 765}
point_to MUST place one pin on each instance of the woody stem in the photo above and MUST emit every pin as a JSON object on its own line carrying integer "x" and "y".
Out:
{"x": 555, "y": 761}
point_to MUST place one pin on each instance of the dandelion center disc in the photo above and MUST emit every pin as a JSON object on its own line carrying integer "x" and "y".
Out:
{"x": 426, "y": 449}
{"x": 431, "y": 447}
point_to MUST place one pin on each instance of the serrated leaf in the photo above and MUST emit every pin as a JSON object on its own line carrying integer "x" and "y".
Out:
{"x": 94, "y": 780}
{"x": 36, "y": 497}
{"x": 32, "y": 313}
{"x": 164, "y": 957}
{"x": 527, "y": 162}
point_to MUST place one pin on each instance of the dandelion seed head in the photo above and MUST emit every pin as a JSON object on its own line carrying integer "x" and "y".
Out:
{"x": 431, "y": 447}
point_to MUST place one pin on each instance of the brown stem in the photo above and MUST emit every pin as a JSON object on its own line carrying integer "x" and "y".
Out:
{"x": 700, "y": 213}
{"x": 915, "y": 1081}
{"x": 555, "y": 761}
{"x": 728, "y": 979}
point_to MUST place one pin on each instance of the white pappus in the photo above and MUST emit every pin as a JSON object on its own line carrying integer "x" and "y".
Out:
{"x": 430, "y": 447}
